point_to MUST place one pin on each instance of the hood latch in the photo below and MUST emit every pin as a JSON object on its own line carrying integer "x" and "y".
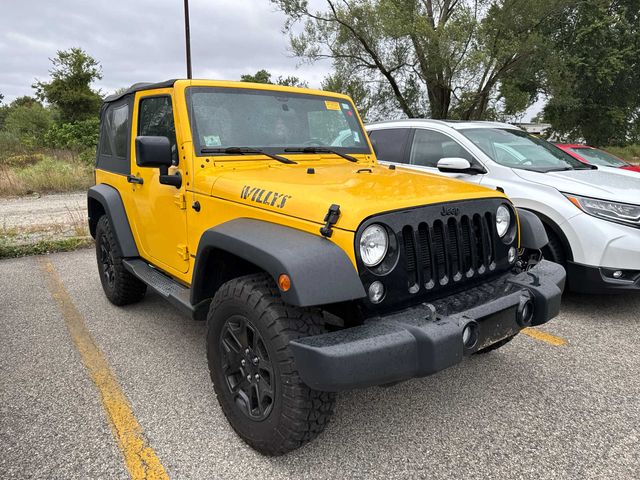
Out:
{"x": 330, "y": 218}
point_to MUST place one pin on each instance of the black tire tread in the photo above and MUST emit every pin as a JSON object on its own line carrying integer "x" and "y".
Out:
{"x": 306, "y": 412}
{"x": 128, "y": 289}
{"x": 554, "y": 250}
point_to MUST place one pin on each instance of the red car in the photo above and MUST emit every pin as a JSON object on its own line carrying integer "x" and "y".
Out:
{"x": 595, "y": 156}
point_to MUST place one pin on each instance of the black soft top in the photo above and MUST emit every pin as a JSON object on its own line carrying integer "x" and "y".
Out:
{"x": 137, "y": 87}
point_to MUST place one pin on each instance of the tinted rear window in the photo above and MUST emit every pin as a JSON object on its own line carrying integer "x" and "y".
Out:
{"x": 390, "y": 144}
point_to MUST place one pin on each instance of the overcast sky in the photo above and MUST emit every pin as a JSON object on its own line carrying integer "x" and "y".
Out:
{"x": 143, "y": 40}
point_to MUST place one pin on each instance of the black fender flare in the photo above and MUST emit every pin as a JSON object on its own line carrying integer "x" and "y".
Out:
{"x": 532, "y": 233}
{"x": 111, "y": 202}
{"x": 321, "y": 272}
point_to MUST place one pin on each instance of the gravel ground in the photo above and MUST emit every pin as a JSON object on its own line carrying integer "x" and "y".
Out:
{"x": 530, "y": 410}
{"x": 36, "y": 217}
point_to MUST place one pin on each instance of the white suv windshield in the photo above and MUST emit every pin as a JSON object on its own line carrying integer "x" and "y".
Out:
{"x": 272, "y": 121}
{"x": 518, "y": 149}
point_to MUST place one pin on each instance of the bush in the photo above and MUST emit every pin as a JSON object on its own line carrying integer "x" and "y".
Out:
{"x": 78, "y": 136}
{"x": 28, "y": 123}
{"x": 9, "y": 145}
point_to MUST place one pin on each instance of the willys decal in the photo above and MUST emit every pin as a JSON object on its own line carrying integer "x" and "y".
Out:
{"x": 266, "y": 197}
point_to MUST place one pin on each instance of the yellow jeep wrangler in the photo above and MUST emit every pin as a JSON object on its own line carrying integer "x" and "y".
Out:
{"x": 263, "y": 210}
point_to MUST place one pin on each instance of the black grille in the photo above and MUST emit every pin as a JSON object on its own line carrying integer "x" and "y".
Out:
{"x": 436, "y": 249}
{"x": 448, "y": 250}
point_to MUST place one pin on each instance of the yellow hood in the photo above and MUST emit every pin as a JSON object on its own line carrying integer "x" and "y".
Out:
{"x": 361, "y": 190}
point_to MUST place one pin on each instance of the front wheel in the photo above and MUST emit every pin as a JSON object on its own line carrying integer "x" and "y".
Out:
{"x": 253, "y": 369}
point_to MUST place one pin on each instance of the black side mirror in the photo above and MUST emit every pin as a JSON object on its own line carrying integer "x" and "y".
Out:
{"x": 155, "y": 152}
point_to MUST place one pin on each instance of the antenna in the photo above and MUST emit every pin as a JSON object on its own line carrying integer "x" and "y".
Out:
{"x": 187, "y": 34}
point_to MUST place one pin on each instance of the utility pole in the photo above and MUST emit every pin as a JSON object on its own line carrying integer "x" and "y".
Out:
{"x": 188, "y": 37}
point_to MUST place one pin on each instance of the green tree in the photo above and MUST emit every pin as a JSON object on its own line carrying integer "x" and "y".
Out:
{"x": 430, "y": 57}
{"x": 264, "y": 76}
{"x": 364, "y": 99}
{"x": 593, "y": 80}
{"x": 69, "y": 89}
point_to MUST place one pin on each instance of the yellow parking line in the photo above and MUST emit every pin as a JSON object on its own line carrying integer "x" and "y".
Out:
{"x": 545, "y": 337}
{"x": 140, "y": 459}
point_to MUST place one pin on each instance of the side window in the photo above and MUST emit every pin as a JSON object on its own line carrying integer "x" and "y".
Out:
{"x": 155, "y": 118}
{"x": 430, "y": 146}
{"x": 389, "y": 144}
{"x": 113, "y": 151}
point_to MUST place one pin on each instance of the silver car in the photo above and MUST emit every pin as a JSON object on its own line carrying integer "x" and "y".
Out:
{"x": 592, "y": 215}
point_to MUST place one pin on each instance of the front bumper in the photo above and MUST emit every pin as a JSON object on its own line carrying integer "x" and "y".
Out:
{"x": 596, "y": 280}
{"x": 425, "y": 339}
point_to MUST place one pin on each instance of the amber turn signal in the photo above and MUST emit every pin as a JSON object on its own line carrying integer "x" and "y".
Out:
{"x": 284, "y": 282}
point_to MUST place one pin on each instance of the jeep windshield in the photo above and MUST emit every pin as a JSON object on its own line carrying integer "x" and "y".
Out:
{"x": 226, "y": 119}
{"x": 518, "y": 149}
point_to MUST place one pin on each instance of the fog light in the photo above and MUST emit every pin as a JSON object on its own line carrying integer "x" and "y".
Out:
{"x": 525, "y": 312}
{"x": 470, "y": 334}
{"x": 376, "y": 292}
{"x": 617, "y": 274}
{"x": 511, "y": 256}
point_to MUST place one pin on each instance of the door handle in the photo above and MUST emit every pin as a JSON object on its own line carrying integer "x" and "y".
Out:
{"x": 134, "y": 179}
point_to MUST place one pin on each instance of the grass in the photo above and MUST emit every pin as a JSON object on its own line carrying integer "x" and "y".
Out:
{"x": 50, "y": 172}
{"x": 630, "y": 153}
{"x": 11, "y": 250}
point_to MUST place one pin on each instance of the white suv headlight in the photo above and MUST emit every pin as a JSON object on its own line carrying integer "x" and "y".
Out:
{"x": 374, "y": 244}
{"x": 503, "y": 220}
{"x": 608, "y": 210}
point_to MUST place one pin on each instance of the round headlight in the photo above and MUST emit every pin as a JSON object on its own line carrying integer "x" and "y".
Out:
{"x": 503, "y": 220}
{"x": 374, "y": 244}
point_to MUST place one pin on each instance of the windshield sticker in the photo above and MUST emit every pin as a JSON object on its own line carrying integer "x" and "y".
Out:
{"x": 331, "y": 105}
{"x": 356, "y": 137}
{"x": 259, "y": 195}
{"x": 346, "y": 106}
{"x": 212, "y": 141}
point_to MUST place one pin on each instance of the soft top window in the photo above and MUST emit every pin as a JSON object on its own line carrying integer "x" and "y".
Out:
{"x": 115, "y": 136}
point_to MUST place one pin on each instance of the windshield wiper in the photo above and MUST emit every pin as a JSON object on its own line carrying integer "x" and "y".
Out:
{"x": 321, "y": 150}
{"x": 247, "y": 151}
{"x": 560, "y": 169}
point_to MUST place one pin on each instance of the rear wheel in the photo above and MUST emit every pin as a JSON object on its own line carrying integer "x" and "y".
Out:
{"x": 120, "y": 286}
{"x": 253, "y": 369}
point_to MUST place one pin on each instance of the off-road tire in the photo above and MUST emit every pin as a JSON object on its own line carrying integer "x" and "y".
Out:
{"x": 495, "y": 346}
{"x": 297, "y": 413}
{"x": 120, "y": 286}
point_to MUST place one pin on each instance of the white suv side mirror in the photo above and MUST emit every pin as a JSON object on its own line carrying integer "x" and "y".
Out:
{"x": 453, "y": 164}
{"x": 459, "y": 165}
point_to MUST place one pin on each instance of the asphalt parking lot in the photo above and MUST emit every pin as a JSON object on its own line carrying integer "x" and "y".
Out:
{"x": 563, "y": 405}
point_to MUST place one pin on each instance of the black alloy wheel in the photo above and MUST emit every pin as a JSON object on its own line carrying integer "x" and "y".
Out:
{"x": 247, "y": 368}
{"x": 106, "y": 259}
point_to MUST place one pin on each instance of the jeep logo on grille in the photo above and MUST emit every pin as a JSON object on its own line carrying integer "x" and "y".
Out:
{"x": 450, "y": 211}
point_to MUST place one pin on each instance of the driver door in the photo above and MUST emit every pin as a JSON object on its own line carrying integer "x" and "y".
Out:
{"x": 159, "y": 211}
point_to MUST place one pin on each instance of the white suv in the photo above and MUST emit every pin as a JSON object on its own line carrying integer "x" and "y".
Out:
{"x": 592, "y": 216}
